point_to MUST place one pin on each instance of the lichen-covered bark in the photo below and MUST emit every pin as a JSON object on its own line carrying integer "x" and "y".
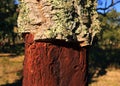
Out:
{"x": 69, "y": 20}
{"x": 54, "y": 64}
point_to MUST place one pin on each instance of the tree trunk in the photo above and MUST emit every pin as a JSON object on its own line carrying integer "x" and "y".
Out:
{"x": 56, "y": 63}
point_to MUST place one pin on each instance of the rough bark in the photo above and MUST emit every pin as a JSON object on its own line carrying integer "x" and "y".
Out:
{"x": 56, "y": 63}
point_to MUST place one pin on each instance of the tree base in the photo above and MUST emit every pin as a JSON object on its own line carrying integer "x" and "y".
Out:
{"x": 54, "y": 64}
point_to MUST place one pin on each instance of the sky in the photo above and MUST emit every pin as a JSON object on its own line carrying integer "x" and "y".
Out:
{"x": 102, "y": 3}
{"x": 16, "y": 2}
{"x": 117, "y": 7}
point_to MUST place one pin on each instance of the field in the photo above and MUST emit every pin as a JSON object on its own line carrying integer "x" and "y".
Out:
{"x": 11, "y": 73}
{"x": 111, "y": 78}
{"x": 11, "y": 70}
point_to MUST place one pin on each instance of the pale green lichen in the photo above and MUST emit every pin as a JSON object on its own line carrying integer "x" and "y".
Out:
{"x": 23, "y": 19}
{"x": 74, "y": 20}
{"x": 68, "y": 13}
{"x": 62, "y": 16}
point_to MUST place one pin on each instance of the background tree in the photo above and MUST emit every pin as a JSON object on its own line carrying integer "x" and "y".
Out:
{"x": 111, "y": 29}
{"x": 8, "y": 24}
{"x": 106, "y": 6}
{"x": 7, "y": 18}
{"x": 105, "y": 52}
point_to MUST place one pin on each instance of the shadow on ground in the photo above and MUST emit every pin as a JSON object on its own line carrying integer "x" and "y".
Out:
{"x": 100, "y": 59}
{"x": 16, "y": 83}
{"x": 16, "y": 49}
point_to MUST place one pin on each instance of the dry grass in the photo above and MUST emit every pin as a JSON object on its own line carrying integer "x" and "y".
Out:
{"x": 10, "y": 69}
{"x": 111, "y": 78}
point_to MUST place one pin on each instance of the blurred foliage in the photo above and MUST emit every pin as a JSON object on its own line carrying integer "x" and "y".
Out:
{"x": 110, "y": 34}
{"x": 8, "y": 20}
{"x": 8, "y": 25}
{"x": 105, "y": 53}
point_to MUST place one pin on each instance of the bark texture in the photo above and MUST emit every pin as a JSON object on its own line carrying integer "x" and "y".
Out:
{"x": 55, "y": 63}
{"x": 69, "y": 20}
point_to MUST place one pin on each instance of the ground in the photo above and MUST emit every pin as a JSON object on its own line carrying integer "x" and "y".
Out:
{"x": 11, "y": 72}
{"x": 10, "y": 69}
{"x": 111, "y": 78}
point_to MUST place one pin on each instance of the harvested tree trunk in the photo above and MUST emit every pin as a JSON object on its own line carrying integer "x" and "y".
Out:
{"x": 56, "y": 63}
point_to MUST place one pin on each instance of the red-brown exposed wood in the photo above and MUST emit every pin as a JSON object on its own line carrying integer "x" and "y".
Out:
{"x": 54, "y": 64}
